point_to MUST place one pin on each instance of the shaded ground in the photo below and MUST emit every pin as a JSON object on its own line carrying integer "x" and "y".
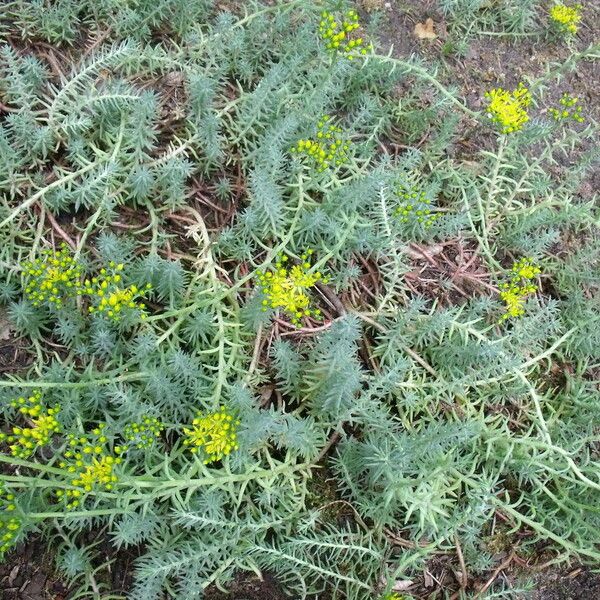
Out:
{"x": 249, "y": 587}
{"x": 28, "y": 575}
{"x": 576, "y": 584}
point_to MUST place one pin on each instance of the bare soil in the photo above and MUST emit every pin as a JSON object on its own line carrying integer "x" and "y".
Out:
{"x": 28, "y": 574}
{"x": 249, "y": 587}
{"x": 574, "y": 584}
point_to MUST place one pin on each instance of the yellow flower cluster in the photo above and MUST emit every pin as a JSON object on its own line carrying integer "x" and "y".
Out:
{"x": 90, "y": 465}
{"x": 566, "y": 18}
{"x": 286, "y": 286}
{"x": 569, "y": 108}
{"x": 52, "y": 278}
{"x": 515, "y": 293}
{"x": 108, "y": 295}
{"x": 328, "y": 149}
{"x": 9, "y": 525}
{"x": 55, "y": 277}
{"x": 337, "y": 35}
{"x": 25, "y": 440}
{"x": 9, "y": 529}
{"x": 213, "y": 433}
{"x": 508, "y": 109}
{"x": 143, "y": 434}
{"x": 415, "y": 208}
{"x": 524, "y": 269}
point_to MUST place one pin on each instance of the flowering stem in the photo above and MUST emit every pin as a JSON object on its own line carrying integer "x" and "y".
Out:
{"x": 592, "y": 52}
{"x": 423, "y": 74}
{"x": 268, "y": 9}
{"x": 538, "y": 408}
{"x": 493, "y": 191}
{"x": 546, "y": 532}
{"x": 13, "y": 460}
{"x": 511, "y": 33}
{"x": 146, "y": 486}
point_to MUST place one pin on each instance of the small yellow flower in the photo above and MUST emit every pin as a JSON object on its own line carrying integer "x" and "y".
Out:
{"x": 213, "y": 433}
{"x": 89, "y": 465}
{"x": 98, "y": 473}
{"x": 9, "y": 529}
{"x": 109, "y": 298}
{"x": 337, "y": 36}
{"x": 53, "y": 278}
{"x": 566, "y": 19}
{"x": 524, "y": 269}
{"x": 415, "y": 208}
{"x": 508, "y": 109}
{"x": 9, "y": 524}
{"x": 515, "y": 293}
{"x": 286, "y": 287}
{"x": 514, "y": 302}
{"x": 24, "y": 441}
{"x": 329, "y": 149}
{"x": 569, "y": 109}
{"x": 143, "y": 434}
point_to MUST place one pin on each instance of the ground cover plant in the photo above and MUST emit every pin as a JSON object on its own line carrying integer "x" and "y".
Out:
{"x": 261, "y": 313}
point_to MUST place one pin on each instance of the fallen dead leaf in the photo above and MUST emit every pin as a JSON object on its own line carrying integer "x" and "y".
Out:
{"x": 5, "y": 326}
{"x": 428, "y": 579}
{"x": 424, "y": 31}
{"x": 13, "y": 575}
{"x": 401, "y": 585}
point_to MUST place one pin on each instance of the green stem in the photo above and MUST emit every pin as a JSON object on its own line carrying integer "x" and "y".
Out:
{"x": 568, "y": 546}
{"x": 158, "y": 485}
{"x": 425, "y": 75}
{"x": 33, "y": 199}
{"x": 138, "y": 376}
{"x": 68, "y": 514}
{"x": 521, "y": 518}
{"x": 13, "y": 460}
